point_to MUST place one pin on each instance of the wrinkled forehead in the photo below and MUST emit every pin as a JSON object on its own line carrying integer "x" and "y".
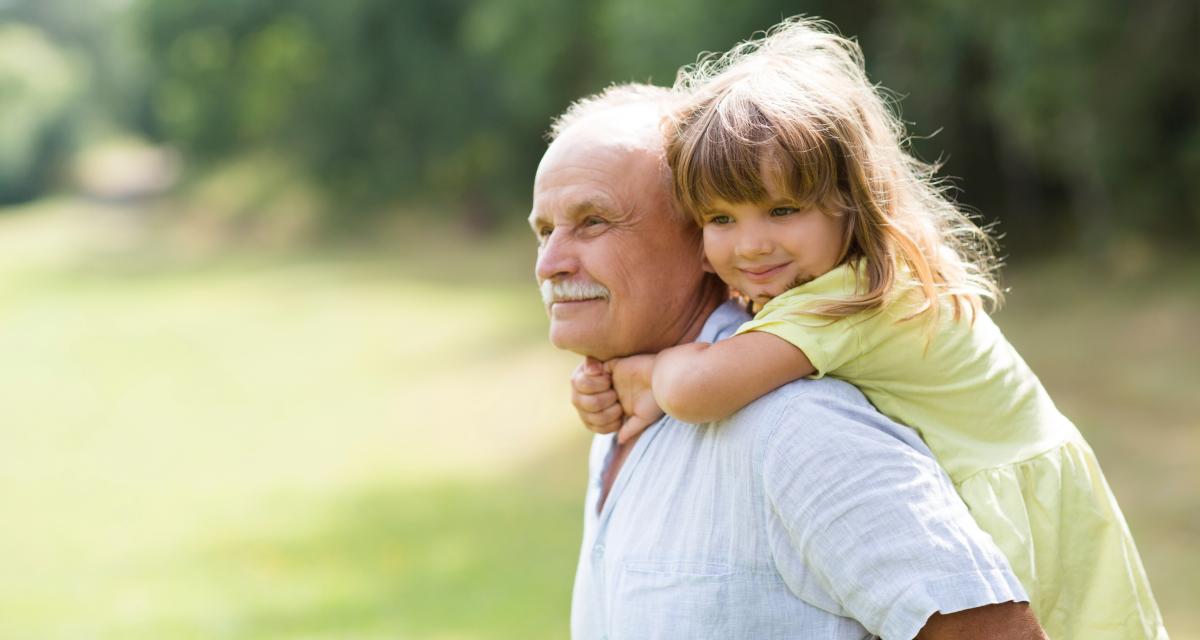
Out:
{"x": 623, "y": 168}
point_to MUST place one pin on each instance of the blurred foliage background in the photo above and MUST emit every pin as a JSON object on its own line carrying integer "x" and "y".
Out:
{"x": 273, "y": 363}
{"x": 1073, "y": 122}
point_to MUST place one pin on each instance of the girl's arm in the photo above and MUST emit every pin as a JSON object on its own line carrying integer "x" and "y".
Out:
{"x": 694, "y": 382}
{"x": 701, "y": 382}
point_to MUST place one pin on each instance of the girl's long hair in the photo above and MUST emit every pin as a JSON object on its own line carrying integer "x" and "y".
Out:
{"x": 796, "y": 102}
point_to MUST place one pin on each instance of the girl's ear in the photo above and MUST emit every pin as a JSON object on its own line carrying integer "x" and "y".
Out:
{"x": 707, "y": 265}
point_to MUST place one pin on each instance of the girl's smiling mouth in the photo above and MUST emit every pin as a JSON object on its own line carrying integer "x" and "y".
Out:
{"x": 763, "y": 273}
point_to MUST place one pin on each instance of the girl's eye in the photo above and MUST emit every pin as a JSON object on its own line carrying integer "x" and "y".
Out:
{"x": 779, "y": 212}
{"x": 720, "y": 220}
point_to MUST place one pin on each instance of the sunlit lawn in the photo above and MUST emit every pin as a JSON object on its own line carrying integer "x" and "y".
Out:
{"x": 378, "y": 445}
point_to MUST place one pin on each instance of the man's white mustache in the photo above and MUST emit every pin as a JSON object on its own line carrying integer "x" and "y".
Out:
{"x": 568, "y": 290}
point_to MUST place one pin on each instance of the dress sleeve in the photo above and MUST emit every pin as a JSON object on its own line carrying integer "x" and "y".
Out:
{"x": 863, "y": 523}
{"x": 833, "y": 345}
{"x": 830, "y": 344}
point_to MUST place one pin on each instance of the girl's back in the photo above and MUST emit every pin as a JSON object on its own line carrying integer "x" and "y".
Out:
{"x": 959, "y": 383}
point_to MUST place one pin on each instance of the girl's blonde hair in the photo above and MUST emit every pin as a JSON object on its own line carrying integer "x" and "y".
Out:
{"x": 796, "y": 102}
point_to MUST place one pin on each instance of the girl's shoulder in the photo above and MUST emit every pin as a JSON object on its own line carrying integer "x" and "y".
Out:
{"x": 904, "y": 309}
{"x": 840, "y": 283}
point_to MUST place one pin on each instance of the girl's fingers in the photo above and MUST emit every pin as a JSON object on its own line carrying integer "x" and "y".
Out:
{"x": 605, "y": 421}
{"x": 589, "y": 386}
{"x": 592, "y": 402}
{"x": 603, "y": 429}
{"x": 594, "y": 398}
{"x": 586, "y": 383}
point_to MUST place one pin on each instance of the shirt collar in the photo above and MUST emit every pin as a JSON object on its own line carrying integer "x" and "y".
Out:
{"x": 723, "y": 322}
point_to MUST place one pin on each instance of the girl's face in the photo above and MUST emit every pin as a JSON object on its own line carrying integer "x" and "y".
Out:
{"x": 765, "y": 248}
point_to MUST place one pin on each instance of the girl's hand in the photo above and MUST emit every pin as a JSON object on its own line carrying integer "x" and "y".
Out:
{"x": 631, "y": 379}
{"x": 594, "y": 398}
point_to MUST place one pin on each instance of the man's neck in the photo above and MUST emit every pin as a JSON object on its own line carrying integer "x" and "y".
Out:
{"x": 714, "y": 295}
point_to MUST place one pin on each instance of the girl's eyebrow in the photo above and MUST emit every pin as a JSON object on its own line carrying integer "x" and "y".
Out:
{"x": 796, "y": 202}
{"x": 780, "y": 199}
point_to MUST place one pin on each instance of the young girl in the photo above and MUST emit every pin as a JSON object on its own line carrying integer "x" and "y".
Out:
{"x": 859, "y": 267}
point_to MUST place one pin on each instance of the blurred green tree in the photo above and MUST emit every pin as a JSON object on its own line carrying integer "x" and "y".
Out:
{"x": 378, "y": 100}
{"x": 1074, "y": 122}
{"x": 39, "y": 88}
{"x": 73, "y": 75}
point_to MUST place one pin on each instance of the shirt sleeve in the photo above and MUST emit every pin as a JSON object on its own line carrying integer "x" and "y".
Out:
{"x": 865, "y": 524}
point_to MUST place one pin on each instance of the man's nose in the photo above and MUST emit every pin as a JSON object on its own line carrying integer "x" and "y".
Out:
{"x": 556, "y": 257}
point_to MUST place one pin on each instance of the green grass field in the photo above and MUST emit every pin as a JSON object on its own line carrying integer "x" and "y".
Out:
{"x": 378, "y": 445}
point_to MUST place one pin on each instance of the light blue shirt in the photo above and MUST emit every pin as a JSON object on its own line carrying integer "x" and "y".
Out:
{"x": 807, "y": 514}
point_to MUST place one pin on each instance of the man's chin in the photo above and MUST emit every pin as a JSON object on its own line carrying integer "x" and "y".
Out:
{"x": 580, "y": 341}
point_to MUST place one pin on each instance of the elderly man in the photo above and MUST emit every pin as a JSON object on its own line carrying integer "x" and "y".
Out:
{"x": 805, "y": 515}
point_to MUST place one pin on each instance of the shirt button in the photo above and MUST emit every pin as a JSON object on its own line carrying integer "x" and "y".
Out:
{"x": 598, "y": 552}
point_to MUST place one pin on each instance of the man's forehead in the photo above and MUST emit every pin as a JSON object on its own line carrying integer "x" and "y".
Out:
{"x": 630, "y": 130}
{"x": 609, "y": 161}
{"x": 595, "y": 170}
{"x": 572, "y": 204}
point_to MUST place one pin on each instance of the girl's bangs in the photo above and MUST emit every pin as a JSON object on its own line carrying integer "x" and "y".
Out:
{"x": 736, "y": 147}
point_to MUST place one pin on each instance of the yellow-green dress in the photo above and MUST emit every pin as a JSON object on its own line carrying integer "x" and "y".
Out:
{"x": 1024, "y": 471}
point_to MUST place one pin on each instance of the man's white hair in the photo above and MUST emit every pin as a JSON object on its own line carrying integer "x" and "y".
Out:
{"x": 661, "y": 100}
{"x": 612, "y": 97}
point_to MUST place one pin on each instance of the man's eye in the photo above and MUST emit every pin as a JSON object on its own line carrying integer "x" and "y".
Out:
{"x": 592, "y": 221}
{"x": 543, "y": 233}
{"x": 778, "y": 212}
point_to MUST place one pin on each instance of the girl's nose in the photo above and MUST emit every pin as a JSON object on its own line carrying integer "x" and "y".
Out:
{"x": 754, "y": 242}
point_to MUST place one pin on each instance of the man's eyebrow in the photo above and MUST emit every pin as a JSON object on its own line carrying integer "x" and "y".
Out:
{"x": 591, "y": 205}
{"x": 576, "y": 211}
